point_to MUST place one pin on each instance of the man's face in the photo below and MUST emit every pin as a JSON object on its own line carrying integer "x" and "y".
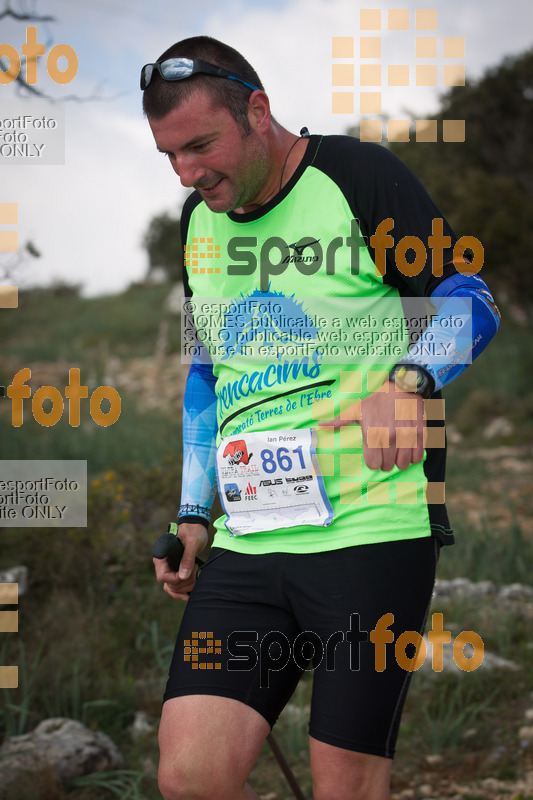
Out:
{"x": 209, "y": 151}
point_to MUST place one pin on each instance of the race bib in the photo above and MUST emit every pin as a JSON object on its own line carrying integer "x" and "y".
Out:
{"x": 271, "y": 479}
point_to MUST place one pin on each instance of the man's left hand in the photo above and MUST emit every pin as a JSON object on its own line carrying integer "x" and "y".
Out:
{"x": 392, "y": 424}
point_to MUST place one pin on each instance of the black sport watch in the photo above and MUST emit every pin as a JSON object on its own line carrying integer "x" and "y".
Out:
{"x": 412, "y": 378}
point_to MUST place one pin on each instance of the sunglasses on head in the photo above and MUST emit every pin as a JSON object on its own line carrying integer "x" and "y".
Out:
{"x": 177, "y": 69}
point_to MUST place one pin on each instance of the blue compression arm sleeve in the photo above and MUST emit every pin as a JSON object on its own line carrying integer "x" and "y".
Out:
{"x": 466, "y": 320}
{"x": 199, "y": 445}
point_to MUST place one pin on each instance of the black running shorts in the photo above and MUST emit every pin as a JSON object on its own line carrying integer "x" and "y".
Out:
{"x": 254, "y": 623}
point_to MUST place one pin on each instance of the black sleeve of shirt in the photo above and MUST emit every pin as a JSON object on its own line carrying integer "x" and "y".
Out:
{"x": 378, "y": 185}
{"x": 188, "y": 207}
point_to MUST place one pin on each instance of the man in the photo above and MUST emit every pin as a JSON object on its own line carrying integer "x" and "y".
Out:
{"x": 322, "y": 561}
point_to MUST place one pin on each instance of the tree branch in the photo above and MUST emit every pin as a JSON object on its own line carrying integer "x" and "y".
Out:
{"x": 8, "y": 12}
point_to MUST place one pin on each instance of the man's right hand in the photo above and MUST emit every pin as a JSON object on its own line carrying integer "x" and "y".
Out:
{"x": 179, "y": 584}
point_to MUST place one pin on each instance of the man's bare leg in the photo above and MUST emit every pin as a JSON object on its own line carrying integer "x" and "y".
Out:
{"x": 208, "y": 746}
{"x": 340, "y": 774}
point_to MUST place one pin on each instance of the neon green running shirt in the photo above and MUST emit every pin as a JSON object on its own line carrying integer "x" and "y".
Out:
{"x": 299, "y": 323}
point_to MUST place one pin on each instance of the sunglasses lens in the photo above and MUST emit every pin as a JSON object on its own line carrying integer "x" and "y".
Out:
{"x": 176, "y": 68}
{"x": 146, "y": 75}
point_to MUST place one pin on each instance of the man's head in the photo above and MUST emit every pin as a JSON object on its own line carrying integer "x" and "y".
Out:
{"x": 217, "y": 133}
{"x": 162, "y": 96}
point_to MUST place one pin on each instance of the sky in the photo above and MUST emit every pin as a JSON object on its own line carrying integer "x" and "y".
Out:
{"x": 87, "y": 216}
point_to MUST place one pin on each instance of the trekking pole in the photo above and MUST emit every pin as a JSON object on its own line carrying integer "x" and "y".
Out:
{"x": 285, "y": 768}
{"x": 170, "y": 546}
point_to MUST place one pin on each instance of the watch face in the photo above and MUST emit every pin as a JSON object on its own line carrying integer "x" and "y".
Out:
{"x": 411, "y": 378}
{"x": 408, "y": 380}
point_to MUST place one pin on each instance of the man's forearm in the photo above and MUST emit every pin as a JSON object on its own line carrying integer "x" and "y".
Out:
{"x": 466, "y": 320}
{"x": 199, "y": 446}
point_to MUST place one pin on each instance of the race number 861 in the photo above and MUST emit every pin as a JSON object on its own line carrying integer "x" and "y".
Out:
{"x": 281, "y": 458}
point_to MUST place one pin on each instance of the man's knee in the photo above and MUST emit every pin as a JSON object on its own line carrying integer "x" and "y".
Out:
{"x": 171, "y": 783}
{"x": 208, "y": 746}
{"x": 340, "y": 774}
{"x": 183, "y": 782}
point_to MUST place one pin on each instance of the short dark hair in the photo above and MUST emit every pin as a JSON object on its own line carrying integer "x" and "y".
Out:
{"x": 161, "y": 96}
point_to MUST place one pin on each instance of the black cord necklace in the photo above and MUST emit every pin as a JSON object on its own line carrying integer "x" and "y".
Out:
{"x": 286, "y": 159}
{"x": 304, "y": 134}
